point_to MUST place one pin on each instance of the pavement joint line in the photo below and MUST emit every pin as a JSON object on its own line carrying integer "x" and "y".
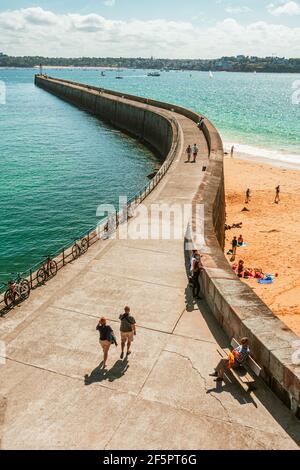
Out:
{"x": 150, "y": 372}
{"x": 141, "y": 281}
{"x": 178, "y": 320}
{"x": 71, "y": 377}
{"x": 150, "y": 250}
{"x": 140, "y": 327}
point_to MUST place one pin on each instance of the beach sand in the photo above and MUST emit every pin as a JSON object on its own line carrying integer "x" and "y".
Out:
{"x": 271, "y": 231}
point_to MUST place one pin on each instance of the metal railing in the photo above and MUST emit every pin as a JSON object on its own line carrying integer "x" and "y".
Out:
{"x": 64, "y": 255}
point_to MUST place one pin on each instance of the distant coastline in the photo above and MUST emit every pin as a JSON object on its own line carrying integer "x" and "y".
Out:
{"x": 240, "y": 63}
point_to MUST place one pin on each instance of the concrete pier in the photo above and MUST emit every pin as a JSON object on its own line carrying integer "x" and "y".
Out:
{"x": 53, "y": 394}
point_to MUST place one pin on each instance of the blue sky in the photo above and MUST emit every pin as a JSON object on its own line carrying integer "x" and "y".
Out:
{"x": 189, "y": 28}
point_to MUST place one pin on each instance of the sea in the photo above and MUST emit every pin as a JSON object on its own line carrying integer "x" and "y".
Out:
{"x": 58, "y": 163}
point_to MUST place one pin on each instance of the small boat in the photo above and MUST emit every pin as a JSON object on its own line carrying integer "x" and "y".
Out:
{"x": 153, "y": 74}
{"x": 119, "y": 76}
{"x": 211, "y": 75}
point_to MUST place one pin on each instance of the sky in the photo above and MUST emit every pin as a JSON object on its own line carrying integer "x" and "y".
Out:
{"x": 159, "y": 28}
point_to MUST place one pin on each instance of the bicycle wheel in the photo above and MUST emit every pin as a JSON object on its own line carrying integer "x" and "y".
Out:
{"x": 53, "y": 267}
{"x": 9, "y": 298}
{"x": 24, "y": 287}
{"x": 75, "y": 251}
{"x": 84, "y": 245}
{"x": 41, "y": 276}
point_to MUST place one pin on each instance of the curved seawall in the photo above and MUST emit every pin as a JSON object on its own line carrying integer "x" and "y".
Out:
{"x": 236, "y": 307}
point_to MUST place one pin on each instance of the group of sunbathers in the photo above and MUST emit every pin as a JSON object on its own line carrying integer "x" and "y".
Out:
{"x": 252, "y": 273}
{"x": 246, "y": 273}
{"x": 229, "y": 227}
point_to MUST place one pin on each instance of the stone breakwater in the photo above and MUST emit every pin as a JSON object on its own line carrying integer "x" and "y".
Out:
{"x": 238, "y": 310}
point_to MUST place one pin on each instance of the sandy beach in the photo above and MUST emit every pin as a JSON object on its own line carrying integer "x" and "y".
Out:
{"x": 270, "y": 231}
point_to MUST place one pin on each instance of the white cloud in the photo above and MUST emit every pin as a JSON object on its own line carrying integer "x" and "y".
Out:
{"x": 34, "y": 31}
{"x": 109, "y": 3}
{"x": 288, "y": 8}
{"x": 237, "y": 9}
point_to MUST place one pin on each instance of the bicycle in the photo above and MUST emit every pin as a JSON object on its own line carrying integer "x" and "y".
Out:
{"x": 49, "y": 269}
{"x": 80, "y": 249}
{"x": 17, "y": 291}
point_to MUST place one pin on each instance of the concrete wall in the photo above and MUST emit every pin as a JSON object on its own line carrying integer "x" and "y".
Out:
{"x": 236, "y": 307}
{"x": 151, "y": 128}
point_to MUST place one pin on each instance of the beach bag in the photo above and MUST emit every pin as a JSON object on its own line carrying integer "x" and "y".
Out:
{"x": 231, "y": 360}
{"x": 112, "y": 339}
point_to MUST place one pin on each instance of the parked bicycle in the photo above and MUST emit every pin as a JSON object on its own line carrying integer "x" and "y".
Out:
{"x": 49, "y": 269}
{"x": 17, "y": 291}
{"x": 80, "y": 248}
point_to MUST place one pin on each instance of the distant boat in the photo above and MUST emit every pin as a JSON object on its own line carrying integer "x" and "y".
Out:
{"x": 119, "y": 77}
{"x": 211, "y": 75}
{"x": 153, "y": 74}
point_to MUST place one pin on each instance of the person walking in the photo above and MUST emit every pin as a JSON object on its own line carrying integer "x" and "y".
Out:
{"x": 127, "y": 330}
{"x": 277, "y": 195}
{"x": 196, "y": 269}
{"x": 232, "y": 151}
{"x": 234, "y": 245}
{"x": 106, "y": 338}
{"x": 189, "y": 153}
{"x": 195, "y": 153}
{"x": 248, "y": 196}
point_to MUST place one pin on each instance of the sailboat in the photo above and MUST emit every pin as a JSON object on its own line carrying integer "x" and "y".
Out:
{"x": 211, "y": 75}
{"x": 119, "y": 76}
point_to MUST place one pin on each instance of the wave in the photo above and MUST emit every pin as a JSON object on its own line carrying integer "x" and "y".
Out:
{"x": 280, "y": 157}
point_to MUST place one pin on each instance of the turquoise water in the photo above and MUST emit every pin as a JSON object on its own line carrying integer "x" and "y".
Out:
{"x": 57, "y": 163}
{"x": 251, "y": 109}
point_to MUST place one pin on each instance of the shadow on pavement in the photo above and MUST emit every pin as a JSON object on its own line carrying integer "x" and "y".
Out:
{"x": 100, "y": 375}
{"x": 242, "y": 398}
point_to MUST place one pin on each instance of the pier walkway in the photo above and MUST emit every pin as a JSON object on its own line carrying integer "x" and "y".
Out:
{"x": 53, "y": 394}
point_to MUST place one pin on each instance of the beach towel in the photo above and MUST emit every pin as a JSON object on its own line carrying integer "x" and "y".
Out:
{"x": 265, "y": 281}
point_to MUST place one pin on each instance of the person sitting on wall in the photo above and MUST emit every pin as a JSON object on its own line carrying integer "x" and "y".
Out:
{"x": 237, "y": 358}
{"x": 200, "y": 122}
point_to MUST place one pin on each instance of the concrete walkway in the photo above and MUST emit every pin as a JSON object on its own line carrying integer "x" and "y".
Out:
{"x": 53, "y": 394}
